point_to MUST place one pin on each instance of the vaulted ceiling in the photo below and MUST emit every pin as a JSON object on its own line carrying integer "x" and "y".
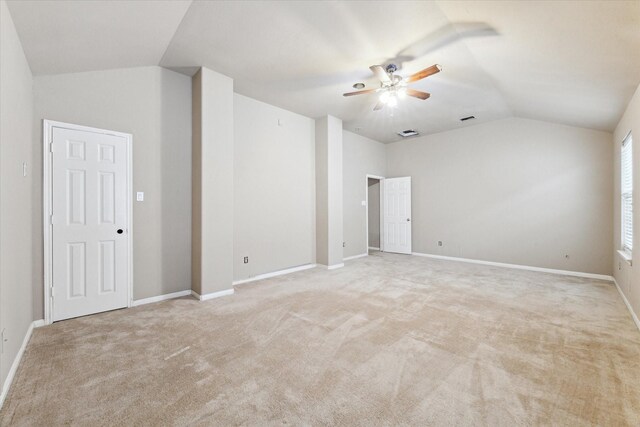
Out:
{"x": 569, "y": 62}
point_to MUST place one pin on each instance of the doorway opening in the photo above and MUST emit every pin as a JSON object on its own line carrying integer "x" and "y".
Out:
{"x": 374, "y": 213}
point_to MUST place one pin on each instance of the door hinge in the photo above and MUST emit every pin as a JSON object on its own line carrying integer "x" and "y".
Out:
{"x": 51, "y": 147}
{"x": 51, "y": 219}
{"x": 51, "y": 292}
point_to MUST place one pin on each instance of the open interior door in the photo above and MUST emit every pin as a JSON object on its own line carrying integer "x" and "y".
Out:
{"x": 397, "y": 215}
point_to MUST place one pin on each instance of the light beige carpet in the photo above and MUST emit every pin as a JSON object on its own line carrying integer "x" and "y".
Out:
{"x": 387, "y": 340}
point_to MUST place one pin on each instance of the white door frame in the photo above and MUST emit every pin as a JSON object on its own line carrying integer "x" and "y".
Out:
{"x": 366, "y": 213}
{"x": 47, "y": 202}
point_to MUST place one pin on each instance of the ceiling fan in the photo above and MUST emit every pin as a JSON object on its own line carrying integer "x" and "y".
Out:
{"x": 393, "y": 87}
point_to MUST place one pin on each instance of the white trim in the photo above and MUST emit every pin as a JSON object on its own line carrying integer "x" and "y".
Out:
{"x": 335, "y": 266}
{"x": 371, "y": 248}
{"x": 47, "y": 129}
{"x": 212, "y": 295}
{"x": 159, "y": 298}
{"x": 520, "y": 267}
{"x": 366, "y": 211}
{"x": 349, "y": 258}
{"x": 275, "y": 273}
{"x": 626, "y": 256}
{"x": 16, "y": 361}
{"x": 628, "y": 304}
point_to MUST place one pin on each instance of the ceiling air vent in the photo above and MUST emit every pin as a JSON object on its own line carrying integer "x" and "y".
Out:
{"x": 407, "y": 133}
{"x": 464, "y": 119}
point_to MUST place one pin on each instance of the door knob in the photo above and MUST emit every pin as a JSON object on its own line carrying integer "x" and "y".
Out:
{"x": 408, "y": 219}
{"x": 120, "y": 231}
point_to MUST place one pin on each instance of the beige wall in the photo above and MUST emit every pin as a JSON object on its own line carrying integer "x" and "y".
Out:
{"x": 514, "y": 191}
{"x": 20, "y": 229}
{"x": 361, "y": 156}
{"x": 322, "y": 207}
{"x": 212, "y": 266}
{"x": 329, "y": 190}
{"x": 373, "y": 212}
{"x": 627, "y": 275}
{"x": 153, "y": 104}
{"x": 335, "y": 192}
{"x": 196, "y": 183}
{"x": 274, "y": 184}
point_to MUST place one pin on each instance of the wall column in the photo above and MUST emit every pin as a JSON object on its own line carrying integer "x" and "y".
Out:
{"x": 329, "y": 192}
{"x": 212, "y": 183}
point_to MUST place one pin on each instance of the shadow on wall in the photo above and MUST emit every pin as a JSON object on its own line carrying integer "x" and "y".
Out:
{"x": 37, "y": 237}
{"x": 175, "y": 182}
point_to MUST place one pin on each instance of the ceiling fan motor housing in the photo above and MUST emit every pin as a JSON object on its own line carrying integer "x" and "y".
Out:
{"x": 393, "y": 86}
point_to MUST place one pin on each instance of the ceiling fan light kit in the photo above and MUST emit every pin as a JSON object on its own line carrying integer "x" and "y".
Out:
{"x": 393, "y": 87}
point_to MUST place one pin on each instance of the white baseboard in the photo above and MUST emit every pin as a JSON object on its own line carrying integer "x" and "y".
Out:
{"x": 335, "y": 266}
{"x": 520, "y": 267}
{"x": 275, "y": 273}
{"x": 628, "y": 304}
{"x": 16, "y": 360}
{"x": 371, "y": 248}
{"x": 212, "y": 295}
{"x": 349, "y": 258}
{"x": 159, "y": 298}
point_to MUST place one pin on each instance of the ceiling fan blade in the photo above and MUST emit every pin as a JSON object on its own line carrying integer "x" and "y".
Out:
{"x": 442, "y": 37}
{"x": 379, "y": 106}
{"x": 360, "y": 92}
{"x": 418, "y": 94}
{"x": 380, "y": 73}
{"x": 424, "y": 73}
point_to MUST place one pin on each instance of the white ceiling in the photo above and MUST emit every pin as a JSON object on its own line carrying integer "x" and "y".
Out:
{"x": 569, "y": 62}
{"x": 71, "y": 36}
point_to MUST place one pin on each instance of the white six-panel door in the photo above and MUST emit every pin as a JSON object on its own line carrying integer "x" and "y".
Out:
{"x": 397, "y": 215}
{"x": 89, "y": 223}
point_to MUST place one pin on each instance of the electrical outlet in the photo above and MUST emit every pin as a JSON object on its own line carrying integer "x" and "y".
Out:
{"x": 246, "y": 260}
{"x": 439, "y": 242}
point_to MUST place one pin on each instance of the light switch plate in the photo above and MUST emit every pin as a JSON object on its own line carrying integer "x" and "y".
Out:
{"x": 364, "y": 203}
{"x": 140, "y": 196}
